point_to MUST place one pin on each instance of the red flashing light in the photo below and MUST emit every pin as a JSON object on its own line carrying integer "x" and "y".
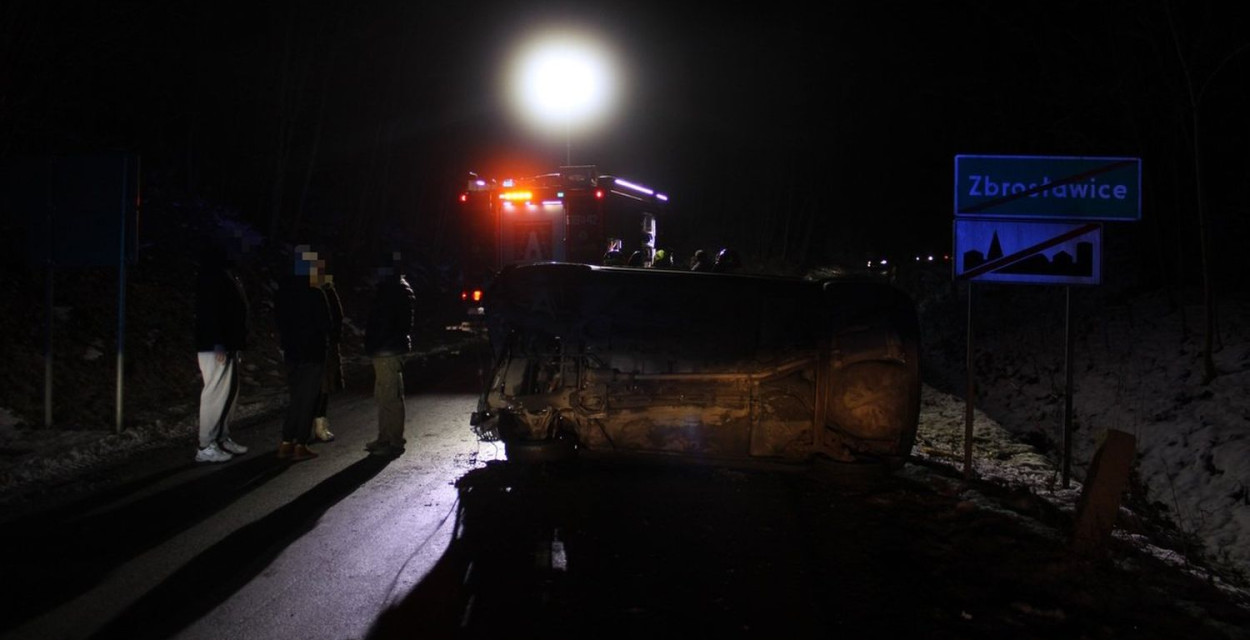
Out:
{"x": 598, "y": 194}
{"x": 464, "y": 197}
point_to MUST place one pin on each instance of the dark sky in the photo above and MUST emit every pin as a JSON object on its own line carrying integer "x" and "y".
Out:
{"x": 850, "y": 113}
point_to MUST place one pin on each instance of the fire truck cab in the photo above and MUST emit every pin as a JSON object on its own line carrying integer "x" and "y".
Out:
{"x": 572, "y": 215}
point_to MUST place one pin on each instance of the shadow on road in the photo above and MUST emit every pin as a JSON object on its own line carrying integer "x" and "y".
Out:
{"x": 660, "y": 551}
{"x": 54, "y": 556}
{"x": 211, "y": 577}
{"x": 619, "y": 551}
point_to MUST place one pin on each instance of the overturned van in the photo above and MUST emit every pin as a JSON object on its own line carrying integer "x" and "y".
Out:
{"x": 696, "y": 366}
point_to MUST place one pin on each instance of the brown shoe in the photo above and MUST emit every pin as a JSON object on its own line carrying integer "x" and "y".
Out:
{"x": 303, "y": 453}
{"x": 286, "y": 450}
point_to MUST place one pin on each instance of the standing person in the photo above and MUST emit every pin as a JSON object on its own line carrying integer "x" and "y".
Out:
{"x": 612, "y": 258}
{"x": 221, "y": 328}
{"x": 333, "y": 379}
{"x": 388, "y": 341}
{"x": 663, "y": 260}
{"x": 304, "y": 327}
{"x": 727, "y": 261}
{"x": 700, "y": 262}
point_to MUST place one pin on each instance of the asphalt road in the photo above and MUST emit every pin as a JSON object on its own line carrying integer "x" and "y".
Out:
{"x": 256, "y": 547}
{"x": 448, "y": 541}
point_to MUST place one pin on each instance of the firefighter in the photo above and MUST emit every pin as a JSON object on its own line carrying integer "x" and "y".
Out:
{"x": 700, "y": 262}
{"x": 612, "y": 258}
{"x": 727, "y": 261}
{"x": 663, "y": 259}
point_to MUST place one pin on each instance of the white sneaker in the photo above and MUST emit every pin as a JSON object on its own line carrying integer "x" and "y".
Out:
{"x": 230, "y": 446}
{"x": 212, "y": 453}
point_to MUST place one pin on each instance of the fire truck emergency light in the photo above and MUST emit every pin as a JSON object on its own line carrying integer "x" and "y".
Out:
{"x": 516, "y": 195}
{"x": 641, "y": 189}
{"x": 636, "y": 187}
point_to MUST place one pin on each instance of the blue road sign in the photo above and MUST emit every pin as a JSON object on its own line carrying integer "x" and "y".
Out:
{"x": 1048, "y": 187}
{"x": 1027, "y": 252}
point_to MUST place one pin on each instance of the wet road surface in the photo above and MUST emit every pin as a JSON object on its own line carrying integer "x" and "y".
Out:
{"x": 447, "y": 541}
{"x": 256, "y": 547}
{"x": 646, "y": 551}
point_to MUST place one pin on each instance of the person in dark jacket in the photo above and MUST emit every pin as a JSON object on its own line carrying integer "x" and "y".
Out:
{"x": 663, "y": 260}
{"x": 333, "y": 379}
{"x": 700, "y": 262}
{"x": 612, "y": 257}
{"x": 221, "y": 328}
{"x": 303, "y": 317}
{"x": 388, "y": 342}
{"x": 727, "y": 261}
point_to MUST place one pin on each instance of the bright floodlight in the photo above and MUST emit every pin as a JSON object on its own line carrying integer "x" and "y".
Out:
{"x": 562, "y": 81}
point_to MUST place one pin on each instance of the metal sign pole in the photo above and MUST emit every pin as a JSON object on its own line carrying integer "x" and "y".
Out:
{"x": 48, "y": 311}
{"x": 121, "y": 296}
{"x": 121, "y": 336}
{"x": 47, "y": 346}
{"x": 968, "y": 396}
{"x": 1067, "y": 388}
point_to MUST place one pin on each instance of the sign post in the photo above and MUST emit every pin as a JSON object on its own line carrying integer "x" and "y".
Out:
{"x": 79, "y": 211}
{"x": 1037, "y": 220}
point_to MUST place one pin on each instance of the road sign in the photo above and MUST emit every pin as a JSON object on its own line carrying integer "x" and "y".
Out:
{"x": 1027, "y": 252}
{"x": 1048, "y": 187}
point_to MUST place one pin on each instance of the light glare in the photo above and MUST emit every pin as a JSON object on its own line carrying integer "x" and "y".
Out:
{"x": 562, "y": 80}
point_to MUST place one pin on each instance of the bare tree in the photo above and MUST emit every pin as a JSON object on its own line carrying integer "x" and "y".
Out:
{"x": 1195, "y": 91}
{"x": 296, "y": 68}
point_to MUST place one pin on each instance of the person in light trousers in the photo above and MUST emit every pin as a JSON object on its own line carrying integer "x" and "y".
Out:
{"x": 221, "y": 329}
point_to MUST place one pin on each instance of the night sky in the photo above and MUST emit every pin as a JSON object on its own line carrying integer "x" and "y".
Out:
{"x": 797, "y": 131}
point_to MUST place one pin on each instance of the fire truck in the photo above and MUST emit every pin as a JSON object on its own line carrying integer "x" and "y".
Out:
{"x": 573, "y": 215}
